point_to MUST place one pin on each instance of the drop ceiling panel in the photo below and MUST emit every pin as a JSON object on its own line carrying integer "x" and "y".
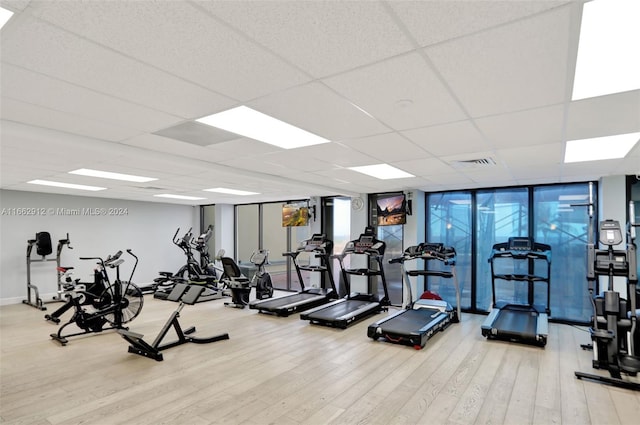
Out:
{"x": 531, "y": 127}
{"x": 76, "y": 60}
{"x": 21, "y": 112}
{"x": 179, "y": 38}
{"x": 427, "y": 167}
{"x": 388, "y": 147}
{"x": 448, "y": 139}
{"x": 177, "y": 148}
{"x": 402, "y": 92}
{"x": 508, "y": 68}
{"x": 321, "y": 37}
{"x": 432, "y": 22}
{"x": 527, "y": 156}
{"x": 317, "y": 109}
{"x": 604, "y": 115}
{"x": 37, "y": 89}
{"x": 448, "y": 179}
{"x": 340, "y": 154}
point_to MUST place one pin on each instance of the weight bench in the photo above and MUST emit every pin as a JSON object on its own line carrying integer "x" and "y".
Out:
{"x": 185, "y": 294}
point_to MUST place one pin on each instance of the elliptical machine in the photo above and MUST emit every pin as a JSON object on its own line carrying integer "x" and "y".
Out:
{"x": 615, "y": 319}
{"x": 192, "y": 272}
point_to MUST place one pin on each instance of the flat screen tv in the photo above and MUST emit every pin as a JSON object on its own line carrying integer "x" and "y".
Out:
{"x": 392, "y": 210}
{"x": 295, "y": 214}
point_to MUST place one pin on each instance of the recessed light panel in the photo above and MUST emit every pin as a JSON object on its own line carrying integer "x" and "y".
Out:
{"x": 110, "y": 175}
{"x": 258, "y": 126}
{"x": 231, "y": 191}
{"x": 600, "y": 148}
{"x": 382, "y": 171}
{"x": 608, "y": 59}
{"x": 5, "y": 15}
{"x": 66, "y": 185}
{"x": 181, "y": 197}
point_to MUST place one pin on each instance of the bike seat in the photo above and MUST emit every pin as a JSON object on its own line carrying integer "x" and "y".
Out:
{"x": 64, "y": 269}
{"x": 166, "y": 274}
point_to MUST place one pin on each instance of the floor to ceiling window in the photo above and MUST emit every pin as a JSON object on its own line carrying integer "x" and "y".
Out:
{"x": 260, "y": 226}
{"x": 551, "y": 214}
{"x": 449, "y": 222}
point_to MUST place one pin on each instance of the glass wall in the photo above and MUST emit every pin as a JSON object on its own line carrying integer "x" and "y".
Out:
{"x": 500, "y": 214}
{"x": 449, "y": 222}
{"x": 274, "y": 240}
{"x": 550, "y": 214}
{"x": 259, "y": 226}
{"x": 561, "y": 223}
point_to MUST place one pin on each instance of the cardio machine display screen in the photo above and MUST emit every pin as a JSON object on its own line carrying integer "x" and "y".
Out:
{"x": 520, "y": 244}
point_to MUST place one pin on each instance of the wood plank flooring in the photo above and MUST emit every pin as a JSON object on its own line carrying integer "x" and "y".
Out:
{"x": 285, "y": 371}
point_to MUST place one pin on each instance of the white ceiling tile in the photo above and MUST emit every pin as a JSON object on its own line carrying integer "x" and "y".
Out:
{"x": 76, "y": 60}
{"x": 36, "y": 89}
{"x": 531, "y": 127}
{"x": 605, "y": 115}
{"x": 321, "y": 37}
{"x": 389, "y": 147}
{"x": 337, "y": 154}
{"x": 426, "y": 167}
{"x": 432, "y": 22}
{"x": 512, "y": 67}
{"x": 21, "y": 112}
{"x": 402, "y": 92}
{"x": 179, "y": 38}
{"x": 316, "y": 108}
{"x": 448, "y": 139}
{"x": 537, "y": 155}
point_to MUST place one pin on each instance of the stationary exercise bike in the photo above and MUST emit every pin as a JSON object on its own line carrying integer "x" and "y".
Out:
{"x": 615, "y": 319}
{"x": 240, "y": 285}
{"x": 120, "y": 302}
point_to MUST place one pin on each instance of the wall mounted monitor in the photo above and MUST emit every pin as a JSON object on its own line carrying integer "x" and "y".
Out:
{"x": 392, "y": 210}
{"x": 295, "y": 214}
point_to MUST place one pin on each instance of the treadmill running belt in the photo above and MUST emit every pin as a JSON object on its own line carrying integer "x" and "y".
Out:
{"x": 338, "y": 310}
{"x": 411, "y": 321}
{"x": 516, "y": 322}
{"x": 286, "y": 300}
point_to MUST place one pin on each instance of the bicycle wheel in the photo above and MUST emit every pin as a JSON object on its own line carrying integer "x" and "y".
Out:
{"x": 131, "y": 303}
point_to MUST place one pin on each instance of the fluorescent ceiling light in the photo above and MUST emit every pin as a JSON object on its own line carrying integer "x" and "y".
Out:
{"x": 231, "y": 191}
{"x": 600, "y": 148}
{"x": 182, "y": 197}
{"x": 382, "y": 171}
{"x": 110, "y": 175}
{"x": 66, "y": 185}
{"x": 5, "y": 15}
{"x": 256, "y": 125}
{"x": 609, "y": 36}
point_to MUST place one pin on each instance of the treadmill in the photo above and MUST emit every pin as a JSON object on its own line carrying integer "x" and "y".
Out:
{"x": 422, "y": 318}
{"x": 519, "y": 260}
{"x": 355, "y": 306}
{"x": 320, "y": 247}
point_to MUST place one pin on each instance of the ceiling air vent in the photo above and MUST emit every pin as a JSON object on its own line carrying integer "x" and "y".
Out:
{"x": 474, "y": 163}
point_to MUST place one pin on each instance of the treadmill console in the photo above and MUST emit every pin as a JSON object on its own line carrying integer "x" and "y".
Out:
{"x": 519, "y": 243}
{"x": 366, "y": 244}
{"x": 318, "y": 242}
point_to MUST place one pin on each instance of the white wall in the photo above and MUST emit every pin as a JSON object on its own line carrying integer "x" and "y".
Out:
{"x": 144, "y": 227}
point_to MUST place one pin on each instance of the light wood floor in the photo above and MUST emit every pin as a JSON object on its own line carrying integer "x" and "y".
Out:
{"x": 284, "y": 371}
